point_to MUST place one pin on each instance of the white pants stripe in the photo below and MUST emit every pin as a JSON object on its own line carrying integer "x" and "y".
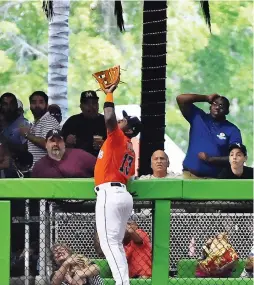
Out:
{"x": 113, "y": 209}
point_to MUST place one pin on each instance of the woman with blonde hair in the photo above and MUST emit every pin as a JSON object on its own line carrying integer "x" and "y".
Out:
{"x": 73, "y": 269}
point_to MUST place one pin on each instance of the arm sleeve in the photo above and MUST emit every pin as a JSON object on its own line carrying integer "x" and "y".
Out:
{"x": 194, "y": 111}
{"x": 50, "y": 124}
{"x": 116, "y": 137}
{"x": 144, "y": 237}
{"x": 128, "y": 251}
{"x": 235, "y": 136}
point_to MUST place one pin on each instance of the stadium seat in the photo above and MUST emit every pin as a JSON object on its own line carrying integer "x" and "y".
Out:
{"x": 186, "y": 268}
{"x": 105, "y": 271}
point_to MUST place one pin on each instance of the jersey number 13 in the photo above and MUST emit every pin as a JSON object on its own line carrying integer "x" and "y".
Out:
{"x": 126, "y": 164}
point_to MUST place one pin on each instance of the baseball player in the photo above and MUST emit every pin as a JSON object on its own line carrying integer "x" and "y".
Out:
{"x": 115, "y": 165}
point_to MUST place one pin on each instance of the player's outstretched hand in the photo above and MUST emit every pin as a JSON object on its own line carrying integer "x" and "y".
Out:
{"x": 111, "y": 89}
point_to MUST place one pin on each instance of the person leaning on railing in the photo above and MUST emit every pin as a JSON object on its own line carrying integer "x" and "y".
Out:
{"x": 159, "y": 164}
{"x": 73, "y": 269}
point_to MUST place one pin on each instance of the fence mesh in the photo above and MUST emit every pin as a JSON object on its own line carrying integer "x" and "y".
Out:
{"x": 39, "y": 226}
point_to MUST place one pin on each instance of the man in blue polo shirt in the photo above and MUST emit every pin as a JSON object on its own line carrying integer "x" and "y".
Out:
{"x": 209, "y": 137}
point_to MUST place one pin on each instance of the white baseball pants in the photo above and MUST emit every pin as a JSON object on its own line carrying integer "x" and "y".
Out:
{"x": 113, "y": 209}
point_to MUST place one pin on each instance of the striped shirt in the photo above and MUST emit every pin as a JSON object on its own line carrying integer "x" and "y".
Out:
{"x": 40, "y": 128}
{"x": 95, "y": 280}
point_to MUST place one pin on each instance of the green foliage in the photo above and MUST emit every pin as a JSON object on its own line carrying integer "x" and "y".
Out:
{"x": 197, "y": 61}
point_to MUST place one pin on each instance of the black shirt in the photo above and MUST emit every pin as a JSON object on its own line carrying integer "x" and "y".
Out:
{"x": 227, "y": 173}
{"x": 84, "y": 129}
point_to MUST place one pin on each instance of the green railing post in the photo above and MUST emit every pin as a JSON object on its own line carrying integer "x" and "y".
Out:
{"x": 160, "y": 270}
{"x": 5, "y": 237}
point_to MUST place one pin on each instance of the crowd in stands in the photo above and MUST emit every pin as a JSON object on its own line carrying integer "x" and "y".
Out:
{"x": 45, "y": 149}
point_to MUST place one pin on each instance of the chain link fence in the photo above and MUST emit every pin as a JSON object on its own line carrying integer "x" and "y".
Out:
{"x": 46, "y": 233}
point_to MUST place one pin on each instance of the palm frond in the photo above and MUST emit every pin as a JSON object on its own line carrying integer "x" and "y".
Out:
{"x": 119, "y": 15}
{"x": 206, "y": 12}
{"x": 47, "y": 7}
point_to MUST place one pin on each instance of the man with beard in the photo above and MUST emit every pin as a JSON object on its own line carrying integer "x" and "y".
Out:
{"x": 61, "y": 162}
{"x": 210, "y": 135}
{"x": 12, "y": 120}
{"x": 87, "y": 130}
{"x": 43, "y": 123}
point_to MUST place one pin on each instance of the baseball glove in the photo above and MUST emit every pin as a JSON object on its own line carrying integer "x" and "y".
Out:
{"x": 107, "y": 78}
{"x": 219, "y": 252}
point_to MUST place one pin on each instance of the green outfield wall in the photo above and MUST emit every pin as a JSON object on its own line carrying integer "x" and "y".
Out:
{"x": 161, "y": 191}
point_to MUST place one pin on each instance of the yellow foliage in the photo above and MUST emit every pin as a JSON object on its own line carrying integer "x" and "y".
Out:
{"x": 5, "y": 62}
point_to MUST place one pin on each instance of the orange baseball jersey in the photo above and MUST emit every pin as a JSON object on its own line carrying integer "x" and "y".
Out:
{"x": 116, "y": 159}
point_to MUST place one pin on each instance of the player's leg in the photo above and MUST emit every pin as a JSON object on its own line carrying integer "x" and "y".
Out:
{"x": 110, "y": 210}
{"x": 126, "y": 213}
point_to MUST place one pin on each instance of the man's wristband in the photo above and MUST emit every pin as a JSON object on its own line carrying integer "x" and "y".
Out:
{"x": 26, "y": 135}
{"x": 109, "y": 104}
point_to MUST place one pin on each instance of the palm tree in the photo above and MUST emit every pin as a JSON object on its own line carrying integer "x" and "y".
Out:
{"x": 57, "y": 12}
{"x": 153, "y": 84}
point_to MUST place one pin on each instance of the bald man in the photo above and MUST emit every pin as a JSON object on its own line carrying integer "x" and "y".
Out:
{"x": 159, "y": 164}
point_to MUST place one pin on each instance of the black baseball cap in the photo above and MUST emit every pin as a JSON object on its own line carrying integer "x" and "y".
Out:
{"x": 54, "y": 133}
{"x": 133, "y": 123}
{"x": 239, "y": 146}
{"x": 90, "y": 94}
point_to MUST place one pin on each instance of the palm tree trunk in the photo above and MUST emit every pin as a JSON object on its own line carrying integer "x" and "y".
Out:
{"x": 58, "y": 52}
{"x": 153, "y": 87}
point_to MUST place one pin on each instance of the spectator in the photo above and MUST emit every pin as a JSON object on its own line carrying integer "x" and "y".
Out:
{"x": 61, "y": 162}
{"x": 159, "y": 164}
{"x": 210, "y": 135}
{"x": 237, "y": 158}
{"x": 87, "y": 130}
{"x": 138, "y": 251}
{"x": 43, "y": 122}
{"x": 248, "y": 269}
{"x": 55, "y": 111}
{"x": 72, "y": 268}
{"x": 14, "y": 167}
{"x": 13, "y": 119}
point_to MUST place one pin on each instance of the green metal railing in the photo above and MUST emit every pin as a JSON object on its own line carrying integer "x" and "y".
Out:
{"x": 161, "y": 191}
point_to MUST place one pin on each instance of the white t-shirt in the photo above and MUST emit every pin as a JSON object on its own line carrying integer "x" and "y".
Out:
{"x": 40, "y": 129}
{"x": 169, "y": 175}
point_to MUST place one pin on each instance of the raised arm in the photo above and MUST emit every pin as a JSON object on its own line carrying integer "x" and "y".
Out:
{"x": 109, "y": 110}
{"x": 215, "y": 160}
{"x": 185, "y": 101}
